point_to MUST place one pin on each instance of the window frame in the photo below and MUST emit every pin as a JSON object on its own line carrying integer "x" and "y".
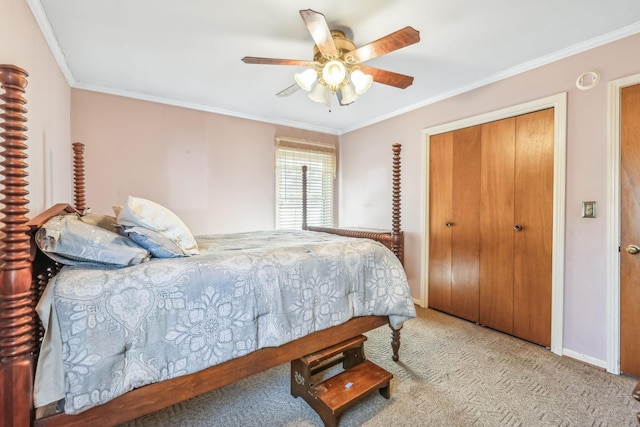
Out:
{"x": 320, "y": 159}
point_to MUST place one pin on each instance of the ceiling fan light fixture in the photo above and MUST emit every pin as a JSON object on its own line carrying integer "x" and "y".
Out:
{"x": 306, "y": 79}
{"x": 348, "y": 94}
{"x": 333, "y": 73}
{"x": 320, "y": 93}
{"x": 361, "y": 81}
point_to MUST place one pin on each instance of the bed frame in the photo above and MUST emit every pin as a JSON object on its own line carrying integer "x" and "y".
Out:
{"x": 25, "y": 271}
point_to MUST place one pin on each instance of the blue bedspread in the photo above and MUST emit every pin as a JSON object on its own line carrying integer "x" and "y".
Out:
{"x": 113, "y": 330}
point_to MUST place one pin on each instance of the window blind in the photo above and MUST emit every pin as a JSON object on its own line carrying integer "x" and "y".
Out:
{"x": 320, "y": 159}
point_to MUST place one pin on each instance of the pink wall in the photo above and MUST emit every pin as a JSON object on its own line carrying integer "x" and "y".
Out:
{"x": 585, "y": 271}
{"x": 216, "y": 172}
{"x": 48, "y": 102}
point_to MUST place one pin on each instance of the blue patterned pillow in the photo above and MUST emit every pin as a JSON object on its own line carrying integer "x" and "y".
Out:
{"x": 156, "y": 243}
{"x": 69, "y": 240}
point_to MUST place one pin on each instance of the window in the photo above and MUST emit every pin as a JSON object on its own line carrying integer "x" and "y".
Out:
{"x": 320, "y": 159}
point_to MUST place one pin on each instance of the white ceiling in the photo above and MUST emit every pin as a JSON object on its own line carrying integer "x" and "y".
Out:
{"x": 189, "y": 52}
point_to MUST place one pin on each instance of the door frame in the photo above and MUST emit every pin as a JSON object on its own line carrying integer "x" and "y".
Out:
{"x": 559, "y": 103}
{"x": 614, "y": 89}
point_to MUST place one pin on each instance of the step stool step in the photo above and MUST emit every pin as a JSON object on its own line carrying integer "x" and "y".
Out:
{"x": 342, "y": 391}
{"x": 327, "y": 353}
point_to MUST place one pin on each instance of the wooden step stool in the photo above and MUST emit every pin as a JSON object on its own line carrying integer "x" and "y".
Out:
{"x": 331, "y": 397}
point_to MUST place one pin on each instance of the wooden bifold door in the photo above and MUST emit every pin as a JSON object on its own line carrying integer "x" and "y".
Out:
{"x": 491, "y": 224}
{"x": 630, "y": 230}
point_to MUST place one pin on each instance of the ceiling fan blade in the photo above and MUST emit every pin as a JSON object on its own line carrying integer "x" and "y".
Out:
{"x": 275, "y": 61}
{"x": 320, "y": 32}
{"x": 288, "y": 91}
{"x": 387, "y": 77}
{"x": 394, "y": 41}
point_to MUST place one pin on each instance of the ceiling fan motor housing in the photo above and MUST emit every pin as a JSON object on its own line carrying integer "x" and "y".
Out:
{"x": 343, "y": 46}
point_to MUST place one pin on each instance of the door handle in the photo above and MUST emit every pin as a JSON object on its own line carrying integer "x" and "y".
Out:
{"x": 517, "y": 227}
{"x": 448, "y": 224}
{"x": 633, "y": 249}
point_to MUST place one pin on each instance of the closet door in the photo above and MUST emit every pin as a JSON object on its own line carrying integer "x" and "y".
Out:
{"x": 516, "y": 225}
{"x": 465, "y": 239}
{"x": 440, "y": 214}
{"x": 496, "y": 224}
{"x": 454, "y": 200}
{"x": 533, "y": 211}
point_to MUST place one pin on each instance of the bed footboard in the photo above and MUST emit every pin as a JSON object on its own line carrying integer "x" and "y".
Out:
{"x": 395, "y": 242}
{"x": 393, "y": 239}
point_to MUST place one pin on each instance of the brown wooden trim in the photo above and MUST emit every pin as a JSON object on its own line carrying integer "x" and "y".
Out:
{"x": 57, "y": 209}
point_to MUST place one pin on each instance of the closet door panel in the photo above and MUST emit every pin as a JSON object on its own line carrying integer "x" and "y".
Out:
{"x": 533, "y": 211}
{"x": 440, "y": 208}
{"x": 465, "y": 239}
{"x": 496, "y": 224}
{"x": 630, "y": 229}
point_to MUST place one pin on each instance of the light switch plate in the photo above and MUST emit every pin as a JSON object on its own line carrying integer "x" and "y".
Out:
{"x": 589, "y": 209}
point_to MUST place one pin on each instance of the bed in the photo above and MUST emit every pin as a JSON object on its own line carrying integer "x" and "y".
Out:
{"x": 26, "y": 272}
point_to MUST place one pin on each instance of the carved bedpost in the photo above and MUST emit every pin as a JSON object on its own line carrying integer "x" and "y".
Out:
{"x": 16, "y": 302}
{"x": 304, "y": 197}
{"x": 396, "y": 245}
{"x": 78, "y": 176}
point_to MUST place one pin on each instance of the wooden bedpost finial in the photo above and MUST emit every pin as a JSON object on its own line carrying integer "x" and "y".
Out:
{"x": 78, "y": 176}
{"x": 16, "y": 300}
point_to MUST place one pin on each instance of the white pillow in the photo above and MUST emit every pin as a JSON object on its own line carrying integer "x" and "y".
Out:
{"x": 145, "y": 213}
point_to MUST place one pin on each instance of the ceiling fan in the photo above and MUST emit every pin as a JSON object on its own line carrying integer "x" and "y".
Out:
{"x": 337, "y": 67}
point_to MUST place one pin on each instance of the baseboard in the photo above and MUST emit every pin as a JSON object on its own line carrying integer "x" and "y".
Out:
{"x": 585, "y": 359}
{"x": 565, "y": 352}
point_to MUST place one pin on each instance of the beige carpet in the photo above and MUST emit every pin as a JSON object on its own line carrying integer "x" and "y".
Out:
{"x": 452, "y": 373}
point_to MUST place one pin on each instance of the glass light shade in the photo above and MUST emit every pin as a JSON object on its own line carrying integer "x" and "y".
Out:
{"x": 319, "y": 93}
{"x": 306, "y": 79}
{"x": 333, "y": 73}
{"x": 347, "y": 94}
{"x": 361, "y": 81}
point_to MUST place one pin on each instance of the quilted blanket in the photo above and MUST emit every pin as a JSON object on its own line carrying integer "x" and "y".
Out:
{"x": 109, "y": 330}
